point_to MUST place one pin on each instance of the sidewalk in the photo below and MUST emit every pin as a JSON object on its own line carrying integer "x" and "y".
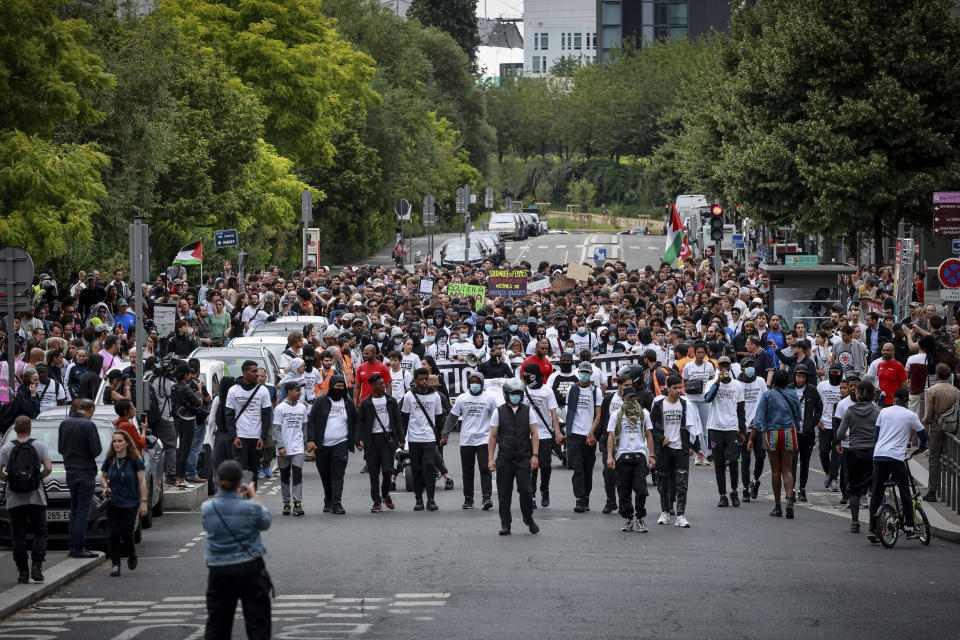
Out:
{"x": 944, "y": 522}
{"x": 57, "y": 571}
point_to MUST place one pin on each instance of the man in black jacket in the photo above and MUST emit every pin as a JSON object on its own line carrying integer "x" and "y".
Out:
{"x": 332, "y": 432}
{"x": 811, "y": 407}
{"x": 79, "y": 445}
{"x": 380, "y": 432}
{"x": 495, "y": 367}
{"x": 513, "y": 435}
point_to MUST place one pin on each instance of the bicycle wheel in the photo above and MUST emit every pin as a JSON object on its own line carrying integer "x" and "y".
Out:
{"x": 888, "y": 529}
{"x": 922, "y": 524}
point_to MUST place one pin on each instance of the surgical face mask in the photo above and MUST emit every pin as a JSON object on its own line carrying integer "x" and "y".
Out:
{"x": 430, "y": 338}
{"x": 464, "y": 336}
{"x": 488, "y": 327}
{"x": 749, "y": 372}
{"x": 513, "y": 328}
{"x": 611, "y": 339}
{"x": 514, "y": 397}
{"x": 429, "y": 320}
{"x": 381, "y": 335}
{"x": 584, "y": 377}
{"x": 582, "y": 331}
{"x": 475, "y": 388}
{"x": 189, "y": 331}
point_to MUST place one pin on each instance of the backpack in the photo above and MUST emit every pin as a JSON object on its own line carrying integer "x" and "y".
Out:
{"x": 946, "y": 350}
{"x": 23, "y": 468}
{"x": 949, "y": 419}
{"x": 155, "y": 411}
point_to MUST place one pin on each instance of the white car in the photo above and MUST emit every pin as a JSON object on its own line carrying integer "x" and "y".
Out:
{"x": 288, "y": 324}
{"x": 274, "y": 343}
{"x": 211, "y": 372}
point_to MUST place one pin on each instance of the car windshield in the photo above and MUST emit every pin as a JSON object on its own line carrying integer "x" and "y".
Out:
{"x": 233, "y": 360}
{"x": 46, "y": 431}
{"x": 501, "y": 218}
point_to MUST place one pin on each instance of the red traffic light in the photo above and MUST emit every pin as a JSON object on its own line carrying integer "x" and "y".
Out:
{"x": 716, "y": 210}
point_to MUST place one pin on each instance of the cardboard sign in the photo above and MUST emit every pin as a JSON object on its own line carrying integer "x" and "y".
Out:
{"x": 578, "y": 271}
{"x": 562, "y": 283}
{"x": 507, "y": 282}
{"x": 475, "y": 292}
{"x": 538, "y": 285}
{"x": 425, "y": 288}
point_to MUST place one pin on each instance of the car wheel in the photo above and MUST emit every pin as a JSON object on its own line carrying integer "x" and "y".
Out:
{"x": 206, "y": 469}
{"x": 147, "y": 521}
{"x": 158, "y": 508}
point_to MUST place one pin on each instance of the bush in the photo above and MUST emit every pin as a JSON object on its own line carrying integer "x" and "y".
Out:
{"x": 581, "y": 192}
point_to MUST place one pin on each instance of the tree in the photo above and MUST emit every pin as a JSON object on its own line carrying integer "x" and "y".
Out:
{"x": 839, "y": 117}
{"x": 581, "y": 192}
{"x": 566, "y": 66}
{"x": 455, "y": 17}
{"x": 543, "y": 192}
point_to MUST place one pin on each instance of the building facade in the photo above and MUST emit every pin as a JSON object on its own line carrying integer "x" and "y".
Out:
{"x": 556, "y": 29}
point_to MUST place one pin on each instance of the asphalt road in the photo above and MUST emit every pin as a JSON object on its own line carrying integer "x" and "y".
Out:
{"x": 737, "y": 573}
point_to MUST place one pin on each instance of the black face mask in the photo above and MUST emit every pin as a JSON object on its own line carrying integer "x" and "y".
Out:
{"x": 495, "y": 359}
{"x": 566, "y": 367}
{"x": 563, "y": 333}
{"x": 835, "y": 379}
{"x": 532, "y": 380}
{"x": 337, "y": 394}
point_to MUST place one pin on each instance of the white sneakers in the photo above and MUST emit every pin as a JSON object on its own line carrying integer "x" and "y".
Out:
{"x": 682, "y": 522}
{"x": 627, "y": 526}
{"x": 639, "y": 526}
{"x": 664, "y": 518}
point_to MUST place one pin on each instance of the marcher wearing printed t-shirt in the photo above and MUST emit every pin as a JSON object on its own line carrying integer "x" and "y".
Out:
{"x": 248, "y": 414}
{"x": 811, "y": 408}
{"x": 289, "y": 423}
{"x": 422, "y": 413}
{"x": 331, "y": 432}
{"x": 696, "y": 374}
{"x": 676, "y": 425}
{"x": 583, "y": 416}
{"x": 543, "y": 411}
{"x": 513, "y": 435}
{"x": 629, "y": 442}
{"x": 753, "y": 388}
{"x": 612, "y": 401}
{"x": 473, "y": 408}
{"x": 830, "y": 395}
{"x": 726, "y": 426}
{"x": 380, "y": 433}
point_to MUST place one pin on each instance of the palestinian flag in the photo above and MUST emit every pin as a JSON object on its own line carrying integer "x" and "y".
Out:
{"x": 190, "y": 254}
{"x": 675, "y": 238}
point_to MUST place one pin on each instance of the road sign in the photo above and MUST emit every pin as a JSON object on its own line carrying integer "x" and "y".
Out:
{"x": 508, "y": 203}
{"x": 949, "y": 273}
{"x": 738, "y": 241}
{"x": 801, "y": 261}
{"x": 16, "y": 279}
{"x": 461, "y": 200}
{"x": 955, "y": 245}
{"x": 226, "y": 238}
{"x": 402, "y": 208}
{"x": 949, "y": 295}
{"x": 600, "y": 254}
{"x": 488, "y": 197}
{"x": 946, "y": 213}
{"x": 429, "y": 217}
{"x": 306, "y": 207}
{"x": 943, "y": 197}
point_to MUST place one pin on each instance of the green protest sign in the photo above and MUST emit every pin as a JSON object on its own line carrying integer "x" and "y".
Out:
{"x": 473, "y": 291}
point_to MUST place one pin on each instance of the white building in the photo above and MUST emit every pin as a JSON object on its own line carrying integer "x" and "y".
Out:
{"x": 555, "y": 29}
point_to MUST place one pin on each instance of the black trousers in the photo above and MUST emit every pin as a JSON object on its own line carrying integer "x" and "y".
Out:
{"x": 632, "y": 478}
{"x": 896, "y": 470}
{"x": 674, "y": 465}
{"x": 423, "y": 457}
{"x": 726, "y": 454}
{"x": 249, "y": 457}
{"x": 545, "y": 469}
{"x": 829, "y": 458}
{"x": 379, "y": 456}
{"x": 512, "y": 471}
{"x": 480, "y": 455}
{"x": 582, "y": 458}
{"x": 759, "y": 455}
{"x": 28, "y": 518}
{"x": 438, "y": 462}
{"x": 844, "y": 474}
{"x": 185, "y": 429}
{"x": 121, "y": 521}
{"x": 609, "y": 475}
{"x": 223, "y": 449}
{"x": 226, "y": 585}
{"x": 805, "y": 442}
{"x": 332, "y": 465}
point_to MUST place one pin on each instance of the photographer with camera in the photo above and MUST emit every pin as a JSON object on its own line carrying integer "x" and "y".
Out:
{"x": 160, "y": 414}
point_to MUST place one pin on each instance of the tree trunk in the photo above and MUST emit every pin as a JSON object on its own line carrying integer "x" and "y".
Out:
{"x": 877, "y": 239}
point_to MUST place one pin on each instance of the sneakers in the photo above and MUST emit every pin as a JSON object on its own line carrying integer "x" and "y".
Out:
{"x": 777, "y": 512}
{"x": 664, "y": 518}
{"x": 388, "y": 503}
{"x": 431, "y": 505}
{"x": 834, "y": 485}
{"x": 376, "y": 508}
{"x": 723, "y": 501}
{"x": 532, "y": 526}
{"x": 609, "y": 507}
{"x": 326, "y": 507}
{"x": 286, "y": 508}
{"x": 504, "y": 531}
{"x": 487, "y": 503}
{"x": 854, "y": 527}
{"x": 754, "y": 489}
{"x": 734, "y": 499}
{"x": 803, "y": 495}
{"x": 627, "y": 526}
{"x": 131, "y": 564}
{"x": 338, "y": 509}
{"x": 467, "y": 503}
{"x": 24, "y": 576}
{"x": 266, "y": 472}
{"x": 682, "y": 522}
{"x": 873, "y": 537}
{"x": 115, "y": 571}
{"x": 419, "y": 505}
{"x": 790, "y": 503}
{"x": 298, "y": 510}
{"x": 930, "y": 497}
{"x": 639, "y": 526}
{"x": 746, "y": 494}
{"x": 182, "y": 485}
{"x": 533, "y": 502}
{"x": 448, "y": 485}
{"x": 544, "y": 499}
{"x": 826, "y": 482}
{"x": 579, "y": 508}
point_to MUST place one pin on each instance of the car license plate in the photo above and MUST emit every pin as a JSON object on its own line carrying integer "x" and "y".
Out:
{"x": 58, "y": 515}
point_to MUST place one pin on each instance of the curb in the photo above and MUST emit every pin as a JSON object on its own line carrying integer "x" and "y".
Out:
{"x": 940, "y": 527}
{"x": 23, "y": 595}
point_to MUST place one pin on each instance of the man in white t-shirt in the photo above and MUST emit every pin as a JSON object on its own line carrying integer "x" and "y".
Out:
{"x": 543, "y": 410}
{"x": 629, "y": 446}
{"x": 696, "y": 374}
{"x": 830, "y": 395}
{"x": 289, "y": 423}
{"x": 331, "y": 432}
{"x": 49, "y": 390}
{"x": 473, "y": 408}
{"x": 422, "y": 412}
{"x": 583, "y": 415}
{"x": 754, "y": 386}
{"x": 248, "y": 414}
{"x": 676, "y": 427}
{"x": 726, "y": 428}
{"x": 380, "y": 433}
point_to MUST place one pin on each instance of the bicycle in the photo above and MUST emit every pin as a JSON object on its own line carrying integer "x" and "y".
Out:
{"x": 889, "y": 525}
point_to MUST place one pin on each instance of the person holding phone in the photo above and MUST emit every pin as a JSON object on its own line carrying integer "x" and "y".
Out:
{"x": 124, "y": 480}
{"x": 233, "y": 520}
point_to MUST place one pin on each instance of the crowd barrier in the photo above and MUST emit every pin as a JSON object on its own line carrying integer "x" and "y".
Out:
{"x": 950, "y": 471}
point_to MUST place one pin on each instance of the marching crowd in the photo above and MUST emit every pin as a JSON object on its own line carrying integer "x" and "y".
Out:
{"x": 706, "y": 372}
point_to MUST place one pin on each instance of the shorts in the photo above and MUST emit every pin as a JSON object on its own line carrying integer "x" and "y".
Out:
{"x": 780, "y": 439}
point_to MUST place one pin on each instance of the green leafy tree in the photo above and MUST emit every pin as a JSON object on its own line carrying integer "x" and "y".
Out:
{"x": 455, "y": 17}
{"x": 566, "y": 66}
{"x": 543, "y": 192}
{"x": 581, "y": 192}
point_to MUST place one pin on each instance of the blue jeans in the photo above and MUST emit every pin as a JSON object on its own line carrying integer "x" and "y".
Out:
{"x": 198, "y": 435}
{"x": 81, "y": 487}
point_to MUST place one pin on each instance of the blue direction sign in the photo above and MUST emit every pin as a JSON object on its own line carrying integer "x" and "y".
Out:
{"x": 738, "y": 241}
{"x": 600, "y": 253}
{"x": 226, "y": 238}
{"x": 956, "y": 246}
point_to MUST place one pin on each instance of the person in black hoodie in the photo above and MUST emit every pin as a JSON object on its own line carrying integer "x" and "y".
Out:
{"x": 187, "y": 403}
{"x": 90, "y": 382}
{"x": 223, "y": 448}
{"x": 380, "y": 432}
{"x": 27, "y": 400}
{"x": 495, "y": 367}
{"x": 331, "y": 432}
{"x": 811, "y": 407}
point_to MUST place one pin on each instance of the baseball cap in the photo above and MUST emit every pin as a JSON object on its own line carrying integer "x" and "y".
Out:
{"x": 566, "y": 356}
{"x": 122, "y": 302}
{"x": 292, "y": 384}
{"x": 723, "y": 360}
{"x": 585, "y": 367}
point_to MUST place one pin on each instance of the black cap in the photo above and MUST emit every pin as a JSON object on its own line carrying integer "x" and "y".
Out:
{"x": 566, "y": 356}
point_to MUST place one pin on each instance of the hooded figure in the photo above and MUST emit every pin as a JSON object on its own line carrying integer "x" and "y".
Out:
{"x": 90, "y": 382}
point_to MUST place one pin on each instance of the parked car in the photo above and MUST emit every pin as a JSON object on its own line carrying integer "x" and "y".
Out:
{"x": 234, "y": 357}
{"x": 276, "y": 344}
{"x": 542, "y": 225}
{"x": 508, "y": 225}
{"x": 531, "y": 225}
{"x": 500, "y": 247}
{"x": 454, "y": 253}
{"x": 211, "y": 372}
{"x": 45, "y": 429}
{"x": 493, "y": 249}
{"x": 288, "y": 324}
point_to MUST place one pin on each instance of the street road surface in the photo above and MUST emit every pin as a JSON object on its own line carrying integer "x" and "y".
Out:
{"x": 737, "y": 573}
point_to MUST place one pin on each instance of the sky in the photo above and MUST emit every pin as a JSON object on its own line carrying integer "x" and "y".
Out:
{"x": 491, "y": 57}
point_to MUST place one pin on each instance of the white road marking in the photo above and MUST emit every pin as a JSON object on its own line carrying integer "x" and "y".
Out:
{"x": 422, "y": 595}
